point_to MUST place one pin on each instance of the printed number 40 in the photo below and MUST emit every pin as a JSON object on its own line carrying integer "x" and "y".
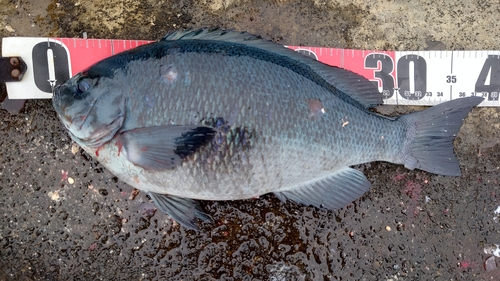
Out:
{"x": 491, "y": 68}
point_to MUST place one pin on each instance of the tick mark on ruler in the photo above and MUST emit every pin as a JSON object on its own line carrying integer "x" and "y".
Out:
{"x": 451, "y": 65}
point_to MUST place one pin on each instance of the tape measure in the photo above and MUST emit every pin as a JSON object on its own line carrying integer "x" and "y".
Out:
{"x": 403, "y": 78}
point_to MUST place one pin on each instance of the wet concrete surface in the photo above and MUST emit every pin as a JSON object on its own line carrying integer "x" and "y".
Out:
{"x": 64, "y": 217}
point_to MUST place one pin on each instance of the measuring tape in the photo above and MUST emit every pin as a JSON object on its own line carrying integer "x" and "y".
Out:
{"x": 403, "y": 78}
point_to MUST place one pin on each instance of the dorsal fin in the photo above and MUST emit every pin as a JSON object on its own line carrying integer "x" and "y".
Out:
{"x": 355, "y": 86}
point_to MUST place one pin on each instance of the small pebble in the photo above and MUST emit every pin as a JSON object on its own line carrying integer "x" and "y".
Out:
{"x": 388, "y": 228}
{"x": 9, "y": 28}
{"x": 71, "y": 181}
{"x": 75, "y": 148}
{"x": 490, "y": 264}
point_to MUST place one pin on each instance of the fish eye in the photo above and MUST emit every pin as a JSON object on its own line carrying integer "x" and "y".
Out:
{"x": 83, "y": 85}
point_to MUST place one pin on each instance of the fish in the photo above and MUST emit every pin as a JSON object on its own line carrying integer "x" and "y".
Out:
{"x": 215, "y": 114}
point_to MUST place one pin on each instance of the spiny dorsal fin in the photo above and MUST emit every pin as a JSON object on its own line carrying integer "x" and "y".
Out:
{"x": 353, "y": 85}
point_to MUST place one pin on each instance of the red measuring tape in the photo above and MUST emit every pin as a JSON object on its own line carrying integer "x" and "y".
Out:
{"x": 407, "y": 78}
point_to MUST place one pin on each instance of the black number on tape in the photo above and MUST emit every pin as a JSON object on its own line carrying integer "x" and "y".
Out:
{"x": 418, "y": 65}
{"x": 46, "y": 74}
{"x": 451, "y": 79}
{"x": 384, "y": 74}
{"x": 491, "y": 68}
{"x": 406, "y": 65}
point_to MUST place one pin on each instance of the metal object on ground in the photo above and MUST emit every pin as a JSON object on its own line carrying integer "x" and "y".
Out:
{"x": 12, "y": 69}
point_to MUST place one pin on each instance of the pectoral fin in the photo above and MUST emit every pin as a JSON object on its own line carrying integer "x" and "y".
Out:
{"x": 183, "y": 210}
{"x": 163, "y": 147}
{"x": 332, "y": 192}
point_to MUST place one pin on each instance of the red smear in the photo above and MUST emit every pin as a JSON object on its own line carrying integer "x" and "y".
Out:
{"x": 398, "y": 178}
{"x": 413, "y": 190}
{"x": 64, "y": 175}
{"x": 144, "y": 148}
{"x": 465, "y": 265}
{"x": 119, "y": 144}
{"x": 97, "y": 151}
{"x": 92, "y": 247}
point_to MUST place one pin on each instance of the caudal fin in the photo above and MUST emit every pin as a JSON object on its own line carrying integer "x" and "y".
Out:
{"x": 430, "y": 135}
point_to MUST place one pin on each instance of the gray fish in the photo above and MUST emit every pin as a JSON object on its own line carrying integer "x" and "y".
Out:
{"x": 222, "y": 115}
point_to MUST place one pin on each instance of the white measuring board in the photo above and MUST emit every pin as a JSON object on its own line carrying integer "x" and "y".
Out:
{"x": 403, "y": 78}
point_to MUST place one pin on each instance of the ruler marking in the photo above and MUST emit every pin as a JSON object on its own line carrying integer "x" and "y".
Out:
{"x": 342, "y": 54}
{"x": 451, "y": 62}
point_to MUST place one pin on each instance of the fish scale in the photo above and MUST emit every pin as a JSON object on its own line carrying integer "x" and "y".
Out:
{"x": 217, "y": 115}
{"x": 283, "y": 99}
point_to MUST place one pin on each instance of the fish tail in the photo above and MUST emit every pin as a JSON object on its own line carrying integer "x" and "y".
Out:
{"x": 430, "y": 134}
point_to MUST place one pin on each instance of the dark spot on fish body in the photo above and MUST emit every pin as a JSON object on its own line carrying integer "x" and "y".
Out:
{"x": 119, "y": 144}
{"x": 192, "y": 140}
{"x": 226, "y": 153}
{"x": 316, "y": 109}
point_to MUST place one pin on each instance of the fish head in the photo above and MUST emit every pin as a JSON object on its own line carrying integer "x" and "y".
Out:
{"x": 91, "y": 107}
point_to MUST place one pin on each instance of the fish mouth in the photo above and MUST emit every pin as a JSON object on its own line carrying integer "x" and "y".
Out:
{"x": 103, "y": 134}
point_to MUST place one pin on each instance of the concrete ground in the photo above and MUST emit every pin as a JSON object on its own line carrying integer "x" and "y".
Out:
{"x": 64, "y": 217}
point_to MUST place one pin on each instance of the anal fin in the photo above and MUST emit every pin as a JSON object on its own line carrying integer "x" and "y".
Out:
{"x": 331, "y": 192}
{"x": 182, "y": 210}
